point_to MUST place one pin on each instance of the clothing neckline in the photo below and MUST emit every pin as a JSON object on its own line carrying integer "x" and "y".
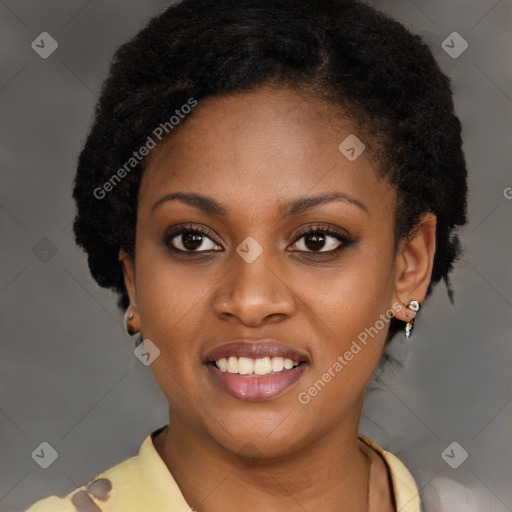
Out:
{"x": 405, "y": 491}
{"x": 155, "y": 470}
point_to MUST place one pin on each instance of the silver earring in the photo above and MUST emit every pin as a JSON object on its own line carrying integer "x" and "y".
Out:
{"x": 414, "y": 305}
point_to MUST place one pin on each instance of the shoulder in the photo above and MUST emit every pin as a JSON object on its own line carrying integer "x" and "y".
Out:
{"x": 142, "y": 482}
{"x": 98, "y": 494}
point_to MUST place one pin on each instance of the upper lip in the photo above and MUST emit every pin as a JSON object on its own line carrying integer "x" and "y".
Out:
{"x": 255, "y": 349}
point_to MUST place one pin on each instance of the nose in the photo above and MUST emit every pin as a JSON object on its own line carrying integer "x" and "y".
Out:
{"x": 254, "y": 293}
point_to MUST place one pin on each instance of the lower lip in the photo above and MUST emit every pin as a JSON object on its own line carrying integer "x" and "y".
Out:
{"x": 256, "y": 387}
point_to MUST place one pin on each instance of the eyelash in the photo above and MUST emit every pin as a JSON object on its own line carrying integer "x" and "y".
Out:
{"x": 345, "y": 240}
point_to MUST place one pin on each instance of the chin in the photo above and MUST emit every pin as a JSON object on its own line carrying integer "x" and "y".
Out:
{"x": 259, "y": 434}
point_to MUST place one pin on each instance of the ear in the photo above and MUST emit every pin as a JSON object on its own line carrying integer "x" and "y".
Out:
{"x": 128, "y": 267}
{"x": 413, "y": 266}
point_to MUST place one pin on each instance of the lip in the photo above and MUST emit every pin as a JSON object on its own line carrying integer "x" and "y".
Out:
{"x": 256, "y": 387}
{"x": 255, "y": 349}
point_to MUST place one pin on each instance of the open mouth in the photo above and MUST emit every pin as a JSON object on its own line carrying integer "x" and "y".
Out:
{"x": 255, "y": 379}
{"x": 258, "y": 367}
{"x": 255, "y": 369}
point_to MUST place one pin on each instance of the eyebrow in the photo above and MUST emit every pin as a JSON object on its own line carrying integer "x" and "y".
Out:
{"x": 214, "y": 207}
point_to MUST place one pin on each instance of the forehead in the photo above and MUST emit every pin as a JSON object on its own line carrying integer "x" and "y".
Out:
{"x": 263, "y": 149}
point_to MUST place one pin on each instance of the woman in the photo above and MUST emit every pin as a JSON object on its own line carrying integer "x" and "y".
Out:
{"x": 273, "y": 188}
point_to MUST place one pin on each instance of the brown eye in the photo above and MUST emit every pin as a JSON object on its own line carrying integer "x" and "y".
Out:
{"x": 318, "y": 242}
{"x": 321, "y": 240}
{"x": 188, "y": 239}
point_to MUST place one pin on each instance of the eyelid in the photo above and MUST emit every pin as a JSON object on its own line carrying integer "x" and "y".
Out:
{"x": 188, "y": 228}
{"x": 340, "y": 234}
{"x": 343, "y": 237}
{"x": 326, "y": 228}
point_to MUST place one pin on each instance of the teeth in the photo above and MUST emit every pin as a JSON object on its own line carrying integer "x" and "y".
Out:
{"x": 245, "y": 365}
{"x": 248, "y": 366}
{"x": 288, "y": 363}
{"x": 233, "y": 364}
{"x": 262, "y": 366}
{"x": 222, "y": 364}
{"x": 277, "y": 364}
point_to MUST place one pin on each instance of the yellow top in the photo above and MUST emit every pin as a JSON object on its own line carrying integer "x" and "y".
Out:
{"x": 144, "y": 482}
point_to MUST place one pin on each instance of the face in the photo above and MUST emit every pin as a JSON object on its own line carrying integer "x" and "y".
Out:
{"x": 293, "y": 242}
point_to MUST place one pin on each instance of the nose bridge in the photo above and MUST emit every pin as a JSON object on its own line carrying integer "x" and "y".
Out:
{"x": 254, "y": 288}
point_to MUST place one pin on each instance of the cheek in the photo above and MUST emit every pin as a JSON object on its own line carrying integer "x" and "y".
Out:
{"x": 353, "y": 309}
{"x": 170, "y": 304}
{"x": 351, "y": 296}
{"x": 167, "y": 296}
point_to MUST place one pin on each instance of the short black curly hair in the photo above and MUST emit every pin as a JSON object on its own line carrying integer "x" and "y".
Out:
{"x": 381, "y": 75}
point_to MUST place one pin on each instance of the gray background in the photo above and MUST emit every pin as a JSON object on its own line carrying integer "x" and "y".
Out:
{"x": 68, "y": 373}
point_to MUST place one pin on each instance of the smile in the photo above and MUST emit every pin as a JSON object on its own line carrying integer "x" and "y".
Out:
{"x": 249, "y": 366}
{"x": 255, "y": 369}
{"x": 255, "y": 379}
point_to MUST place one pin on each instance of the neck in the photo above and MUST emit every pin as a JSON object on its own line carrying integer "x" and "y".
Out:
{"x": 329, "y": 473}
